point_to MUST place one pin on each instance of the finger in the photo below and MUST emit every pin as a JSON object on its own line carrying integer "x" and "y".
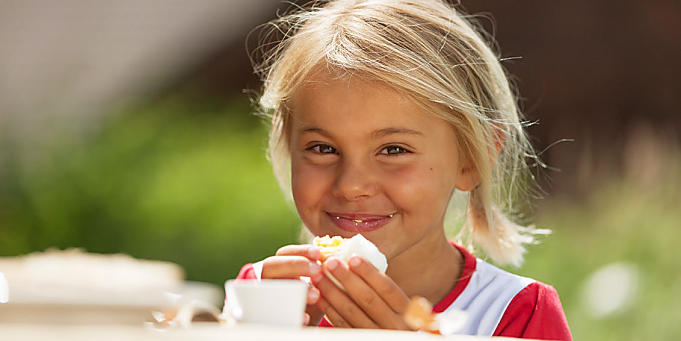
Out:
{"x": 315, "y": 314}
{"x": 306, "y": 319}
{"x": 306, "y": 250}
{"x": 342, "y": 304}
{"x": 332, "y": 315}
{"x": 365, "y": 296}
{"x": 380, "y": 283}
{"x": 288, "y": 267}
{"x": 312, "y": 295}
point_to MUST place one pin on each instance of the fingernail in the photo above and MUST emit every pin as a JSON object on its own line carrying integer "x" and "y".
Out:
{"x": 314, "y": 268}
{"x": 314, "y": 253}
{"x": 317, "y": 277}
{"x": 355, "y": 261}
{"x": 332, "y": 264}
{"x": 312, "y": 296}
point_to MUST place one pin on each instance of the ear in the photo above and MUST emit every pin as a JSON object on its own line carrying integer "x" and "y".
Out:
{"x": 468, "y": 176}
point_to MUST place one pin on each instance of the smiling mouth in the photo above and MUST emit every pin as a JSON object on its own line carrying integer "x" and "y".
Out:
{"x": 355, "y": 222}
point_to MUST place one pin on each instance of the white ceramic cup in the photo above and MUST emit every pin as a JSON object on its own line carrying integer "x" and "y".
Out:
{"x": 275, "y": 301}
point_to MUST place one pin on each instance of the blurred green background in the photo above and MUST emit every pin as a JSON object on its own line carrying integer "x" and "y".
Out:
{"x": 168, "y": 162}
{"x": 179, "y": 181}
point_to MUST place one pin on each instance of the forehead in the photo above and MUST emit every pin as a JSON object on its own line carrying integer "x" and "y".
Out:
{"x": 352, "y": 103}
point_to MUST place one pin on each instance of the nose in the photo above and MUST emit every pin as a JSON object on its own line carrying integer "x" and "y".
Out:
{"x": 355, "y": 181}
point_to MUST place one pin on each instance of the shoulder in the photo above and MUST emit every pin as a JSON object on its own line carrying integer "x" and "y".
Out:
{"x": 535, "y": 312}
{"x": 489, "y": 278}
{"x": 481, "y": 284}
{"x": 491, "y": 285}
{"x": 486, "y": 296}
{"x": 500, "y": 303}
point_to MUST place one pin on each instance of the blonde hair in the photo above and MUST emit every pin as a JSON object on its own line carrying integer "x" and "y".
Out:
{"x": 435, "y": 55}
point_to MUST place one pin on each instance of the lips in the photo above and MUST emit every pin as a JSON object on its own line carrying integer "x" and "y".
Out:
{"x": 358, "y": 222}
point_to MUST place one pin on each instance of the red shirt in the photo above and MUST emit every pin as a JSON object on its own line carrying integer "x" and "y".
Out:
{"x": 535, "y": 312}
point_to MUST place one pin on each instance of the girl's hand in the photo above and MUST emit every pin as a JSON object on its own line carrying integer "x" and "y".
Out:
{"x": 371, "y": 299}
{"x": 292, "y": 262}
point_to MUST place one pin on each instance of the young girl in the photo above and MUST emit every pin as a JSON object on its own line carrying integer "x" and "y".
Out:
{"x": 381, "y": 110}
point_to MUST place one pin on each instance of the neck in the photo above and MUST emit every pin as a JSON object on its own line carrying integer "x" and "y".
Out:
{"x": 437, "y": 263}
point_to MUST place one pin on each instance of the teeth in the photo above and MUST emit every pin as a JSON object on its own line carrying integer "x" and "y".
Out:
{"x": 357, "y": 221}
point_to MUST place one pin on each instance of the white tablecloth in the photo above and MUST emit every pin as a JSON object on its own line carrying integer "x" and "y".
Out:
{"x": 209, "y": 331}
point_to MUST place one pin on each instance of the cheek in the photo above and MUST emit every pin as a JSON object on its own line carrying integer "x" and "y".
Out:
{"x": 420, "y": 190}
{"x": 308, "y": 185}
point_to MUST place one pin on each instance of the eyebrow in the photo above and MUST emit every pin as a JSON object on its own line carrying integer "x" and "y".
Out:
{"x": 375, "y": 134}
{"x": 393, "y": 130}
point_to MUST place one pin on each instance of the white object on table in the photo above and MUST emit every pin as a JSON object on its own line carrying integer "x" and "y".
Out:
{"x": 214, "y": 332}
{"x": 271, "y": 302}
{"x": 92, "y": 306}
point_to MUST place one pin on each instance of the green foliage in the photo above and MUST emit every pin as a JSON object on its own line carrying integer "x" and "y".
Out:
{"x": 167, "y": 181}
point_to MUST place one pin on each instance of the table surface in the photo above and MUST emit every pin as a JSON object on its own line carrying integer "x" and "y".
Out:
{"x": 209, "y": 331}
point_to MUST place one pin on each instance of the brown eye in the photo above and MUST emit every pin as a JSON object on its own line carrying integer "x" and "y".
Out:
{"x": 394, "y": 150}
{"x": 323, "y": 149}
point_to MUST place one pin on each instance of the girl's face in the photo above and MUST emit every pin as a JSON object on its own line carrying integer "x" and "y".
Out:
{"x": 366, "y": 159}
